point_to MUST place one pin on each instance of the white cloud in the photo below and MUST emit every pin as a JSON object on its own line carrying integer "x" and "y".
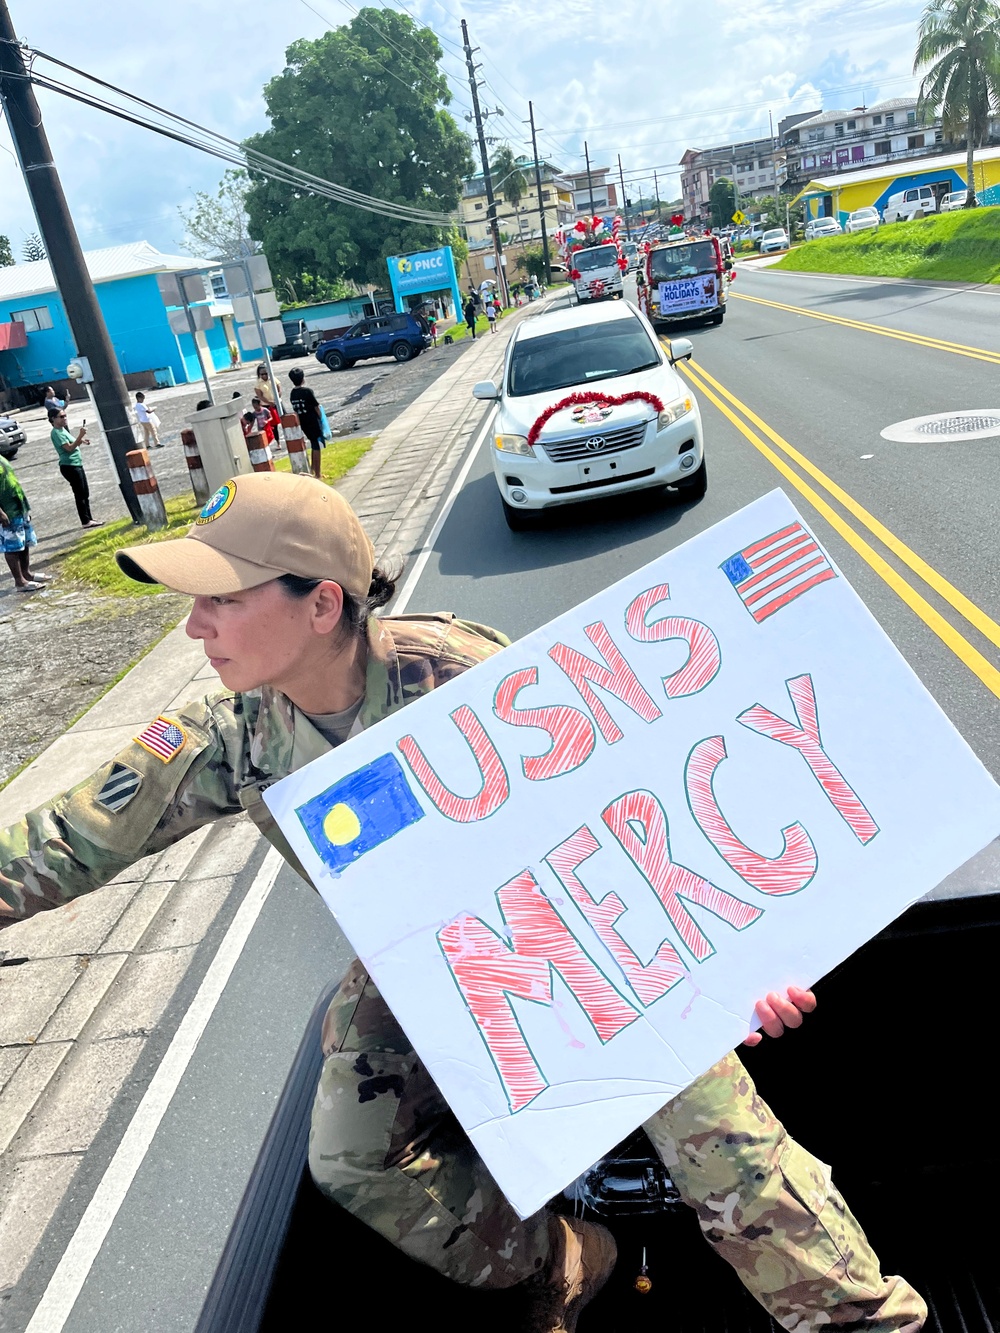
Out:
{"x": 645, "y": 80}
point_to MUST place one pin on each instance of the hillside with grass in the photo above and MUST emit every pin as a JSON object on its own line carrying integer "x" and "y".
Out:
{"x": 963, "y": 246}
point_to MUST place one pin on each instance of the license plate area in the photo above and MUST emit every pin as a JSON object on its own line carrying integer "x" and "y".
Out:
{"x": 601, "y": 469}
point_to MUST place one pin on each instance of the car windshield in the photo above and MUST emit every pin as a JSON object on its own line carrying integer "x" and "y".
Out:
{"x": 580, "y": 356}
{"x": 778, "y": 231}
{"x": 682, "y": 261}
{"x": 865, "y": 212}
{"x": 630, "y": 248}
{"x": 602, "y": 256}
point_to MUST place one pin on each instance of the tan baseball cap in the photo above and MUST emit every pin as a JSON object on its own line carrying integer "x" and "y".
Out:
{"x": 254, "y": 529}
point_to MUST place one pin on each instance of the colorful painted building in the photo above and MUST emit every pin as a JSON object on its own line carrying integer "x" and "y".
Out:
{"x": 124, "y": 278}
{"x": 838, "y": 196}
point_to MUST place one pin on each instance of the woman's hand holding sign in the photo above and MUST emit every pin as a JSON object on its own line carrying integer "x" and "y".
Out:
{"x": 777, "y": 1013}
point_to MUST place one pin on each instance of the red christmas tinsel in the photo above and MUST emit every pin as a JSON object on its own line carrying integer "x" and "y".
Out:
{"x": 585, "y": 400}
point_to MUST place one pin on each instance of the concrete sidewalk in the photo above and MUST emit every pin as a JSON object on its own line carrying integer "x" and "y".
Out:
{"x": 99, "y": 974}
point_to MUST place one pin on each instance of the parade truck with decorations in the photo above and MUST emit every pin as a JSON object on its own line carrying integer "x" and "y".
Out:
{"x": 593, "y": 254}
{"x": 687, "y": 277}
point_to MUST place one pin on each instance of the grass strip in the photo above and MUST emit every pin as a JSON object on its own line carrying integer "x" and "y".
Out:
{"x": 91, "y": 562}
{"x": 962, "y": 246}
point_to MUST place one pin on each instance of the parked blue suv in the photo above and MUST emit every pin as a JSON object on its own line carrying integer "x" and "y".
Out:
{"x": 400, "y": 336}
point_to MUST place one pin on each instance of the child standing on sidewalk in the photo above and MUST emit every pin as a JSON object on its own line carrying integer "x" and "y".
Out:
{"x": 148, "y": 423}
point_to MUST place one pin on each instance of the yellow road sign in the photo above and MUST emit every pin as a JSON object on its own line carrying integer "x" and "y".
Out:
{"x": 739, "y": 218}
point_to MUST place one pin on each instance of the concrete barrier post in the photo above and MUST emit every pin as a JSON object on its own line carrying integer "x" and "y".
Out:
{"x": 260, "y": 453}
{"x": 154, "y": 516}
{"x": 295, "y": 442}
{"x": 196, "y": 471}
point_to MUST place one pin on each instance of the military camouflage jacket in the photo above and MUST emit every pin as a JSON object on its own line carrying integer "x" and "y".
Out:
{"x": 229, "y": 749}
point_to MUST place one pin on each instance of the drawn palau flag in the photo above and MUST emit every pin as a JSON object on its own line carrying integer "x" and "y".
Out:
{"x": 359, "y": 812}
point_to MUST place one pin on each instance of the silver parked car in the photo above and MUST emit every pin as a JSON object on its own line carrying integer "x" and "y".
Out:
{"x": 863, "y": 219}
{"x": 775, "y": 239}
{"x": 955, "y": 199}
{"x": 11, "y": 437}
{"x": 818, "y": 227}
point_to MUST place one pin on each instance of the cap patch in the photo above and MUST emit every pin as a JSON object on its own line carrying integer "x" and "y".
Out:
{"x": 162, "y": 738}
{"x": 120, "y": 786}
{"x": 219, "y": 502}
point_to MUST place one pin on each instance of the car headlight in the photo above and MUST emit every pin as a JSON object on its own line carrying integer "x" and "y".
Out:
{"x": 515, "y": 444}
{"x": 673, "y": 412}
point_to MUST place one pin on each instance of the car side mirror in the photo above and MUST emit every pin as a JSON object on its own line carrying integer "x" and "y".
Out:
{"x": 681, "y": 349}
{"x": 486, "y": 390}
{"x": 728, "y": 263}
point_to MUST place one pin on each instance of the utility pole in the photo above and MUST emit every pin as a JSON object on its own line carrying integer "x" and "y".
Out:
{"x": 590, "y": 179}
{"x": 656, "y": 187}
{"x": 491, "y": 208}
{"x": 538, "y": 190}
{"x": 24, "y": 122}
{"x": 621, "y": 177}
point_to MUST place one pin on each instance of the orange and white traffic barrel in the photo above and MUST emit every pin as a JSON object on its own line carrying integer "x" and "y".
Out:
{"x": 147, "y": 491}
{"x": 260, "y": 454}
{"x": 295, "y": 442}
{"x": 196, "y": 469}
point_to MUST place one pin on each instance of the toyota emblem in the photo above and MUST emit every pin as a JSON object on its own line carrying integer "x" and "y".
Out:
{"x": 596, "y": 443}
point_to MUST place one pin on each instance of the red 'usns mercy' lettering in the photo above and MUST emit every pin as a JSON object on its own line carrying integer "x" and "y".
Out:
{"x": 614, "y": 675}
{"x": 489, "y": 972}
{"x": 787, "y": 873}
{"x": 572, "y": 732}
{"x": 671, "y": 882}
{"x": 494, "y": 787}
{"x": 806, "y": 739}
{"x": 704, "y": 656}
{"x": 649, "y": 980}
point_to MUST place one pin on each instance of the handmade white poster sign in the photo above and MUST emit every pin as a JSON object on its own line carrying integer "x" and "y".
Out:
{"x": 572, "y": 870}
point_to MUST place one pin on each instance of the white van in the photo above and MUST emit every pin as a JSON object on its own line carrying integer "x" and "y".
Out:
{"x": 907, "y": 204}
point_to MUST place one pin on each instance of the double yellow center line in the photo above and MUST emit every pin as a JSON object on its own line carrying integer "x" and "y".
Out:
{"x": 750, "y": 425}
{"x": 917, "y": 339}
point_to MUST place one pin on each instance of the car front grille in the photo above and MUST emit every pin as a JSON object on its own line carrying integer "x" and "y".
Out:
{"x": 581, "y": 445}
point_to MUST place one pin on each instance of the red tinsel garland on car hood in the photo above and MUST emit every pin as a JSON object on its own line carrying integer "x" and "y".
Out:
{"x": 585, "y": 399}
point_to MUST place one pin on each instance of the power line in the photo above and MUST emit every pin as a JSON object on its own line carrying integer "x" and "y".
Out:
{"x": 210, "y": 141}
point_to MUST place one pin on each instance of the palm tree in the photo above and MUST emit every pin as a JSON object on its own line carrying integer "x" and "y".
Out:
{"x": 958, "y": 46}
{"x": 510, "y": 179}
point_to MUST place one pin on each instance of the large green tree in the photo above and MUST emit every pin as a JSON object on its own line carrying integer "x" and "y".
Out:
{"x": 958, "y": 48}
{"x": 722, "y": 202}
{"x": 6, "y": 254}
{"x": 361, "y": 106}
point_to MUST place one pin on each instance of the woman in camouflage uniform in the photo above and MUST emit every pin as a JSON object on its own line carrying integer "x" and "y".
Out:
{"x": 284, "y": 594}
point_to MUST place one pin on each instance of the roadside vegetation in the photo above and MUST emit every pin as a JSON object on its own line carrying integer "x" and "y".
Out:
{"x": 963, "y": 246}
{"x": 92, "y": 561}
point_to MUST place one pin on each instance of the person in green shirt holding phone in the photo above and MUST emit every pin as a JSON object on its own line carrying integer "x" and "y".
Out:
{"x": 67, "y": 447}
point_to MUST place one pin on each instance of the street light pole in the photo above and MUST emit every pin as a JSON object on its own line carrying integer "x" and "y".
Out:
{"x": 538, "y": 190}
{"x": 491, "y": 208}
{"x": 590, "y": 179}
{"x": 69, "y": 268}
{"x": 656, "y": 187}
{"x": 621, "y": 177}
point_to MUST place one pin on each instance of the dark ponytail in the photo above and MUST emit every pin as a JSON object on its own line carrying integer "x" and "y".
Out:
{"x": 356, "y": 609}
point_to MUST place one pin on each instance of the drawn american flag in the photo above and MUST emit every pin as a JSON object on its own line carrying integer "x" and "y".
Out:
{"x": 163, "y": 738}
{"x": 770, "y": 573}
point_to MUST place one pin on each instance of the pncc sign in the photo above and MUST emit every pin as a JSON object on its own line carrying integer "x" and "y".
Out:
{"x": 426, "y": 271}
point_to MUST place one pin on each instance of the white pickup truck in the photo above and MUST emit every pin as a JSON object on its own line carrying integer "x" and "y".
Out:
{"x": 599, "y": 274}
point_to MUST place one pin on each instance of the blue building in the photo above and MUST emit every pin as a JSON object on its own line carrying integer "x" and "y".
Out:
{"x": 37, "y": 352}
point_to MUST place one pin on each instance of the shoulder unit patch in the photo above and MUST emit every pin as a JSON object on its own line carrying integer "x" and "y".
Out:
{"x": 120, "y": 786}
{"x": 164, "y": 738}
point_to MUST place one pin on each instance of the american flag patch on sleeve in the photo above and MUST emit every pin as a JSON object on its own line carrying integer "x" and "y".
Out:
{"x": 770, "y": 573}
{"x": 163, "y": 738}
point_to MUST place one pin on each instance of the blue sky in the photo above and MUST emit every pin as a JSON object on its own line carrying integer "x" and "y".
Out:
{"x": 642, "y": 79}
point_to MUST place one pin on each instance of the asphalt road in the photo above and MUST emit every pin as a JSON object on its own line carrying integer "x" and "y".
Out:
{"x": 822, "y": 387}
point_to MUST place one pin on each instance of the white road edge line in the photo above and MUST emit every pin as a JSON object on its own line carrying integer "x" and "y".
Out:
{"x": 886, "y": 281}
{"x": 402, "y": 598}
{"x": 73, "y": 1268}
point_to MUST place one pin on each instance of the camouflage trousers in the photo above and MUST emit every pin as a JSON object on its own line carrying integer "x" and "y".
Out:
{"x": 385, "y": 1146}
